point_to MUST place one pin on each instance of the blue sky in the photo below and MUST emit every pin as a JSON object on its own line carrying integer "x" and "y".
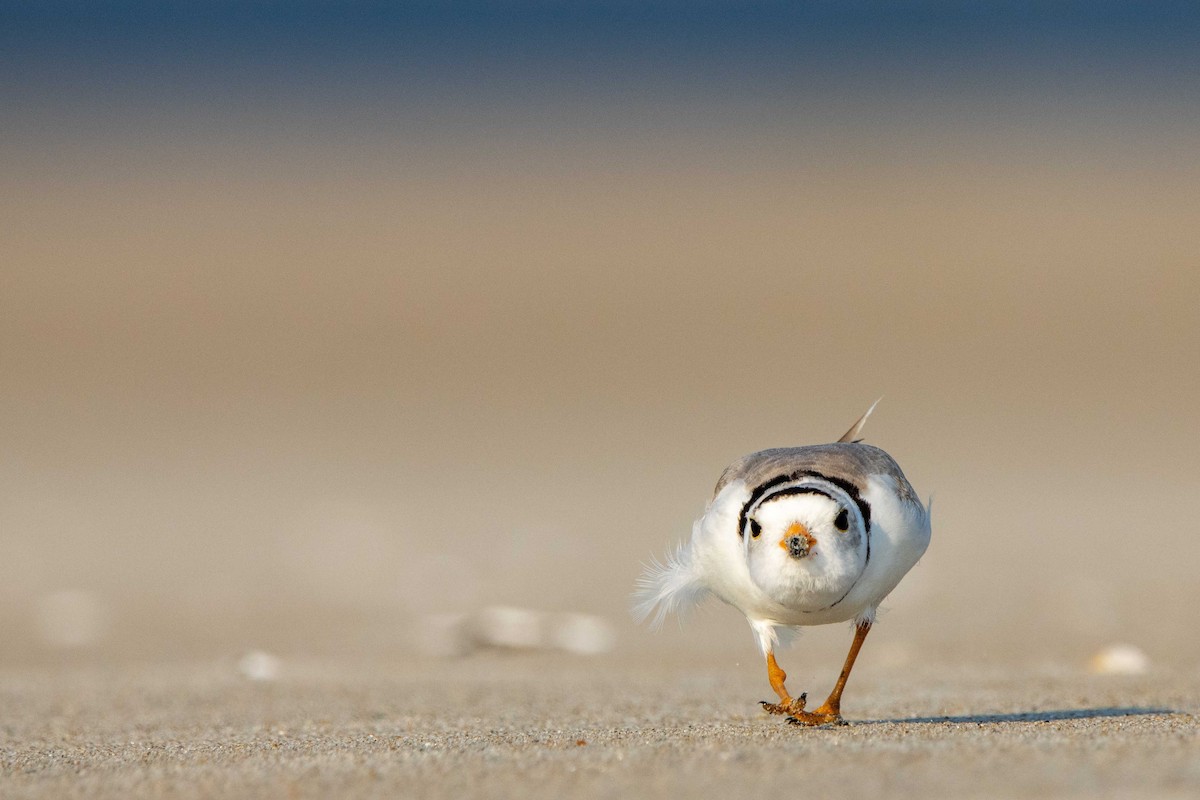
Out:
{"x": 180, "y": 45}
{"x": 76, "y": 71}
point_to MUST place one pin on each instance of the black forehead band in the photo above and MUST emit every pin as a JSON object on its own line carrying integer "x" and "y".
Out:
{"x": 763, "y": 489}
{"x": 791, "y": 490}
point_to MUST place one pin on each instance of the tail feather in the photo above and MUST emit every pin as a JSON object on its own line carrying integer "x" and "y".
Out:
{"x": 667, "y": 588}
{"x": 855, "y": 429}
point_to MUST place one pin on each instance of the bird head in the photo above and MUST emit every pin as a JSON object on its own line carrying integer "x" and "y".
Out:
{"x": 805, "y": 547}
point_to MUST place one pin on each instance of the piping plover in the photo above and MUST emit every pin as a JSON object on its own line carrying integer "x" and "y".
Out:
{"x": 798, "y": 536}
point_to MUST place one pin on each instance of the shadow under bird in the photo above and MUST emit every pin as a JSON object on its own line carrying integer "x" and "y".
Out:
{"x": 798, "y": 536}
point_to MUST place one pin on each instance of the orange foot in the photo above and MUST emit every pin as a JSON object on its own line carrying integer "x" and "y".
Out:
{"x": 790, "y": 708}
{"x": 822, "y": 716}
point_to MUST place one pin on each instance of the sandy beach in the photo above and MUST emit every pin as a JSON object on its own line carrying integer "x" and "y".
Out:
{"x": 554, "y": 726}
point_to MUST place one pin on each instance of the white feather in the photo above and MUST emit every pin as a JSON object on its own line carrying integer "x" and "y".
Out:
{"x": 669, "y": 588}
{"x": 771, "y": 636}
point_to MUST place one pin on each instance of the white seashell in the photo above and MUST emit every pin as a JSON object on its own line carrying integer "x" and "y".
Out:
{"x": 1119, "y": 659}
{"x": 259, "y": 666}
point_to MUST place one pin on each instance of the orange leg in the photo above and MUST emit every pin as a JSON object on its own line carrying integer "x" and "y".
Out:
{"x": 831, "y": 710}
{"x": 787, "y": 704}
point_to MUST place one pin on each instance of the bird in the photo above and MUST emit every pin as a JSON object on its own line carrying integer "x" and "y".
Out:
{"x": 793, "y": 537}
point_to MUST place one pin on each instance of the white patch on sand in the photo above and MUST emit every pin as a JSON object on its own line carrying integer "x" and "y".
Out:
{"x": 71, "y": 618}
{"x": 1120, "y": 659}
{"x": 258, "y": 665}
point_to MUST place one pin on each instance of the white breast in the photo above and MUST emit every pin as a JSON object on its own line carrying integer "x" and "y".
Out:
{"x": 900, "y": 533}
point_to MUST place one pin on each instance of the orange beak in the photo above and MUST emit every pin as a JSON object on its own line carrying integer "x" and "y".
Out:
{"x": 797, "y": 531}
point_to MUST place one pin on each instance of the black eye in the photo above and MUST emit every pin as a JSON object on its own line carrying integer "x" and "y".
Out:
{"x": 842, "y": 522}
{"x": 755, "y": 528}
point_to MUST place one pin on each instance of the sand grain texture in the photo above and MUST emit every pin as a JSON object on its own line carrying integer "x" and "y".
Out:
{"x": 550, "y": 726}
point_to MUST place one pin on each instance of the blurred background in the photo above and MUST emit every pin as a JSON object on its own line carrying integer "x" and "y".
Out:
{"x": 324, "y": 322}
